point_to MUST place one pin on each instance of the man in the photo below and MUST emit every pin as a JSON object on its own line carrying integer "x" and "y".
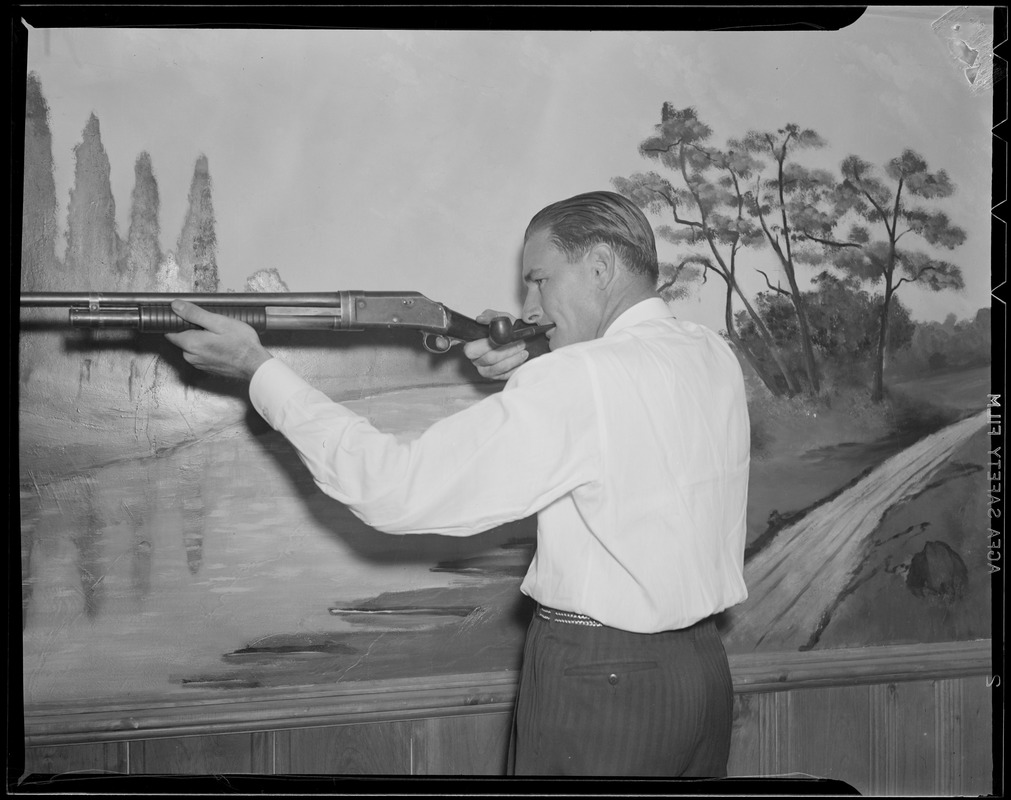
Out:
{"x": 629, "y": 440}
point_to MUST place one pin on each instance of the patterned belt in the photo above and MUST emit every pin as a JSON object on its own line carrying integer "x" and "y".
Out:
{"x": 568, "y": 617}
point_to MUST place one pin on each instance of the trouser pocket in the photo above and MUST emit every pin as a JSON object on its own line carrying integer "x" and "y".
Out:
{"x": 611, "y": 671}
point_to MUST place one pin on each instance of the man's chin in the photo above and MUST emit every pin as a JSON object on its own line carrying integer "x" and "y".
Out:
{"x": 557, "y": 340}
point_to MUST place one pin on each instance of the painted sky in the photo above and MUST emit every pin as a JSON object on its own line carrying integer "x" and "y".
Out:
{"x": 396, "y": 159}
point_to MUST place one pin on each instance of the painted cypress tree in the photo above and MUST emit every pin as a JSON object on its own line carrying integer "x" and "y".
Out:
{"x": 142, "y": 254}
{"x": 92, "y": 242}
{"x": 197, "y": 248}
{"x": 40, "y": 268}
{"x": 169, "y": 278}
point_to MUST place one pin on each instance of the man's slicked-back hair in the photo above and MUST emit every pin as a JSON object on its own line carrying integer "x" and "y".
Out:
{"x": 578, "y": 223}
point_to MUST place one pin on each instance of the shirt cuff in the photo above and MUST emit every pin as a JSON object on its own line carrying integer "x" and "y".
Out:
{"x": 272, "y": 385}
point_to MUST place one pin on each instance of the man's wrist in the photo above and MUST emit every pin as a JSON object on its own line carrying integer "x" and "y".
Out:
{"x": 256, "y": 358}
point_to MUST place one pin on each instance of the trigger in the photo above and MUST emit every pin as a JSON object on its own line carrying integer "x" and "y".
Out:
{"x": 435, "y": 343}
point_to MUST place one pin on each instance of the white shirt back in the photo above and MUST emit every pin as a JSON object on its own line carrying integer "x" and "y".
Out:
{"x": 657, "y": 542}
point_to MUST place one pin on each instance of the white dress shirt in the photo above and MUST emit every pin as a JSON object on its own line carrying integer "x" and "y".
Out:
{"x": 632, "y": 449}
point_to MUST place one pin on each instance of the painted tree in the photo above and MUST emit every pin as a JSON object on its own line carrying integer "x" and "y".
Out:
{"x": 890, "y": 209}
{"x": 842, "y": 318}
{"x": 197, "y": 248}
{"x": 938, "y": 345}
{"x": 40, "y": 268}
{"x": 142, "y": 254}
{"x": 796, "y": 198}
{"x": 169, "y": 278}
{"x": 93, "y": 245}
{"x": 709, "y": 206}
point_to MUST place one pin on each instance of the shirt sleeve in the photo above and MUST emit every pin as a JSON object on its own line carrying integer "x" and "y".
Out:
{"x": 502, "y": 459}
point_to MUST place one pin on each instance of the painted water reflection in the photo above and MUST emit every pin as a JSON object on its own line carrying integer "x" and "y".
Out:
{"x": 217, "y": 563}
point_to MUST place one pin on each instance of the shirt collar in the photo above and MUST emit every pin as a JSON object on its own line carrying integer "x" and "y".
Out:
{"x": 651, "y": 308}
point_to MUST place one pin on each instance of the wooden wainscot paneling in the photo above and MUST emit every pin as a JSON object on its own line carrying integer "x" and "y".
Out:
{"x": 372, "y": 748}
{"x": 905, "y": 719}
{"x": 476, "y": 744}
{"x": 103, "y": 757}
{"x": 913, "y": 719}
{"x": 419, "y": 726}
{"x": 214, "y": 754}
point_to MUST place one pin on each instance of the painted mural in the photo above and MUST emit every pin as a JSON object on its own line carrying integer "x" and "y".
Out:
{"x": 171, "y": 543}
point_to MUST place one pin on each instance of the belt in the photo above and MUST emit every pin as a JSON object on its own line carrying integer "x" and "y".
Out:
{"x": 572, "y": 618}
{"x": 567, "y": 617}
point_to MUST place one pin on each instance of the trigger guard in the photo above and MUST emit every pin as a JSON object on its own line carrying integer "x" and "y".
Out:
{"x": 428, "y": 341}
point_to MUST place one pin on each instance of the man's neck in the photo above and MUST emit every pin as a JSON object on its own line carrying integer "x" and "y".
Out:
{"x": 622, "y": 301}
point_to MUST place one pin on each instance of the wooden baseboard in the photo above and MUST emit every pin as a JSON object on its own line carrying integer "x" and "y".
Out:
{"x": 442, "y": 696}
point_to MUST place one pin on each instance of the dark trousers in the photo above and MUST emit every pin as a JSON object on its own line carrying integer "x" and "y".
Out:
{"x": 606, "y": 702}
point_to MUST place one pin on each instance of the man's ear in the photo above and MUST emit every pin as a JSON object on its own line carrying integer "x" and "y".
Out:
{"x": 602, "y": 261}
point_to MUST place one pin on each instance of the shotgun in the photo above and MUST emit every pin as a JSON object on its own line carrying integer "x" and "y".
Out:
{"x": 151, "y": 312}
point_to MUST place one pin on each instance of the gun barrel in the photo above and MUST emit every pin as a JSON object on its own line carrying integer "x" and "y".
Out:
{"x": 120, "y": 299}
{"x": 331, "y": 311}
{"x": 161, "y": 319}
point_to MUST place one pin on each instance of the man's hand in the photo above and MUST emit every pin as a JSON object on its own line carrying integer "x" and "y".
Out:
{"x": 225, "y": 346}
{"x": 493, "y": 362}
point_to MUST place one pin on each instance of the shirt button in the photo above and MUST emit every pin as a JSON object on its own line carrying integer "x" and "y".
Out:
{"x": 612, "y": 679}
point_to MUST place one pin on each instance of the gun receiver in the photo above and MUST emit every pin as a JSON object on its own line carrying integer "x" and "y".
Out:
{"x": 151, "y": 312}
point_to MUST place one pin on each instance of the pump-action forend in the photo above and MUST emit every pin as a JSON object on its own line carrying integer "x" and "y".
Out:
{"x": 151, "y": 312}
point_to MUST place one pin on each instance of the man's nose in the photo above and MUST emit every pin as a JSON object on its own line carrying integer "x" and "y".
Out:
{"x": 531, "y": 308}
